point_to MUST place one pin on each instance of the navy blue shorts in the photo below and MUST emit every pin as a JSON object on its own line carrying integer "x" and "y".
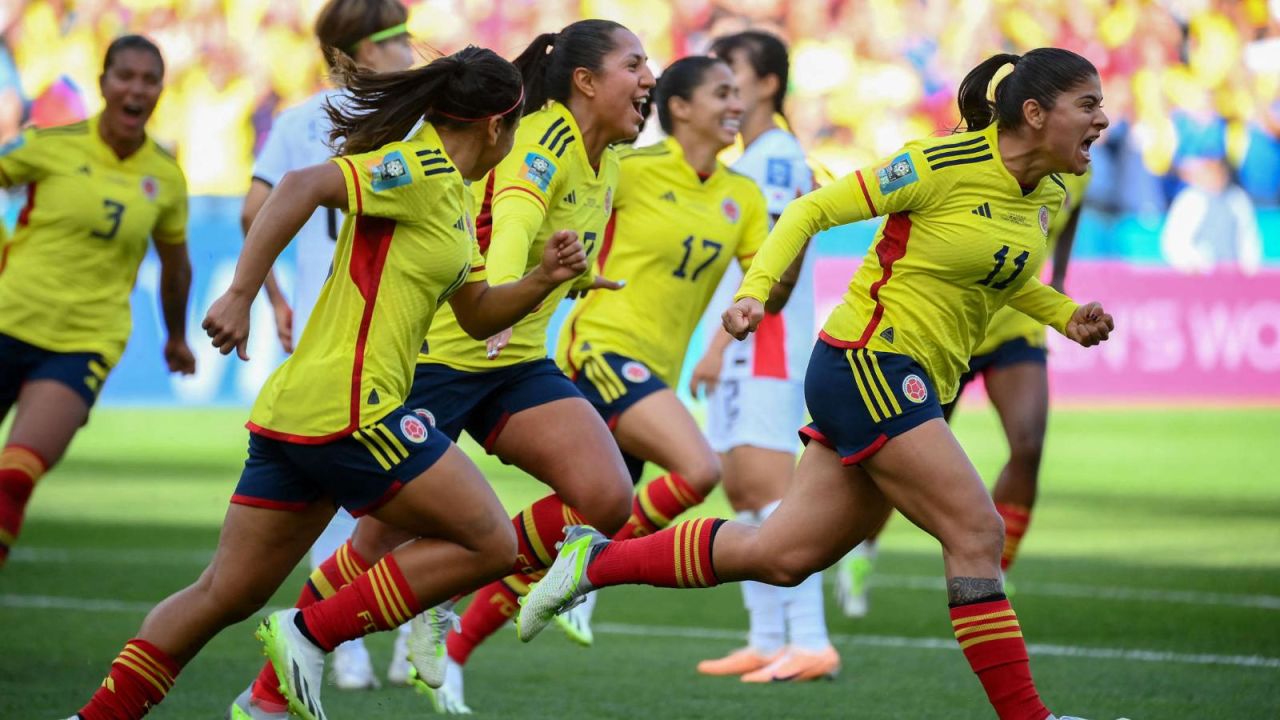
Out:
{"x": 1013, "y": 352}
{"x": 612, "y": 383}
{"x": 22, "y": 362}
{"x": 360, "y": 472}
{"x": 482, "y": 402}
{"x": 859, "y": 399}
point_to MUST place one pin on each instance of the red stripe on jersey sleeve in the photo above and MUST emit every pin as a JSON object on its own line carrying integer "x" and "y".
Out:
{"x": 371, "y": 240}
{"x": 484, "y": 221}
{"x": 526, "y": 191}
{"x": 770, "y": 357}
{"x": 25, "y": 216}
{"x": 355, "y": 177}
{"x": 867, "y": 195}
{"x": 890, "y": 249}
{"x": 607, "y": 244}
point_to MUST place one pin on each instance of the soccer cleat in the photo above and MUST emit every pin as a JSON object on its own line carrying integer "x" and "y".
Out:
{"x": 447, "y": 699}
{"x": 565, "y": 584}
{"x": 398, "y": 669}
{"x": 576, "y": 623}
{"x": 245, "y": 707}
{"x": 351, "y": 667}
{"x": 851, "y": 584}
{"x": 798, "y": 665}
{"x": 299, "y": 664}
{"x": 427, "y": 634}
{"x": 738, "y": 662}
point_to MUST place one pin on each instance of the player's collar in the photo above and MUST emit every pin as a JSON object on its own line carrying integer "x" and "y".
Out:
{"x": 677, "y": 150}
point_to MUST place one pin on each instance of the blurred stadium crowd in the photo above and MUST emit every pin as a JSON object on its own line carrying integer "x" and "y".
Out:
{"x": 1193, "y": 86}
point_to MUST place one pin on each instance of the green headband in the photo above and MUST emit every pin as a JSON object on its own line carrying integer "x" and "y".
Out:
{"x": 393, "y": 31}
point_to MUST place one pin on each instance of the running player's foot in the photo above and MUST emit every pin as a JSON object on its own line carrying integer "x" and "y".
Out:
{"x": 299, "y": 664}
{"x": 447, "y": 699}
{"x": 739, "y": 662}
{"x": 427, "y": 634}
{"x": 246, "y": 707}
{"x": 798, "y": 665}
{"x": 576, "y": 623}
{"x": 398, "y": 669}
{"x": 851, "y": 584}
{"x": 351, "y": 667}
{"x": 565, "y": 583}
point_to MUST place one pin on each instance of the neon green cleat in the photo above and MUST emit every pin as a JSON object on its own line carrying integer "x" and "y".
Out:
{"x": 565, "y": 584}
{"x": 576, "y": 622}
{"x": 298, "y": 663}
{"x": 427, "y": 650}
{"x": 446, "y": 699}
{"x": 852, "y": 576}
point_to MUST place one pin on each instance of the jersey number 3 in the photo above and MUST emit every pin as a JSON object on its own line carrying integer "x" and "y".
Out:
{"x": 1018, "y": 264}
{"x": 115, "y": 211}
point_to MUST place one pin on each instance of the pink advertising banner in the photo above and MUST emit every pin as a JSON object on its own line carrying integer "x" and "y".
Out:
{"x": 1213, "y": 338}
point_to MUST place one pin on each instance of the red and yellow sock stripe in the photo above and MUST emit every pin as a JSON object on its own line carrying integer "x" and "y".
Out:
{"x": 391, "y": 593}
{"x": 147, "y": 663}
{"x": 692, "y": 552}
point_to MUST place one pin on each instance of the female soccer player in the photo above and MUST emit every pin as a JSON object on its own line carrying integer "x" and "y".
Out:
{"x": 405, "y": 248}
{"x": 583, "y": 89}
{"x": 96, "y": 191}
{"x": 373, "y": 34}
{"x": 755, "y": 388}
{"x": 890, "y": 356}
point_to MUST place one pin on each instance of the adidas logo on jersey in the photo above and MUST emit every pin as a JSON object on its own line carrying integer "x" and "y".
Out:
{"x": 984, "y": 210}
{"x": 373, "y": 397}
{"x": 460, "y": 225}
{"x": 571, "y": 198}
{"x": 669, "y": 196}
{"x": 887, "y": 334}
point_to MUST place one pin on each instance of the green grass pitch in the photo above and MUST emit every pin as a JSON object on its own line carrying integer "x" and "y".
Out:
{"x": 1148, "y": 587}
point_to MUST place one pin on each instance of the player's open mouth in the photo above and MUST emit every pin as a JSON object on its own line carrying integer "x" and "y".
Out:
{"x": 1084, "y": 146}
{"x": 732, "y": 124}
{"x": 638, "y": 104}
{"x": 133, "y": 110}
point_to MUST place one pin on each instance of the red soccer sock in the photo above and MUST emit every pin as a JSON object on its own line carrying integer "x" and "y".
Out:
{"x": 492, "y": 607}
{"x": 20, "y": 467}
{"x": 538, "y": 528}
{"x": 337, "y": 571}
{"x": 140, "y": 677}
{"x": 679, "y": 556}
{"x": 657, "y": 504}
{"x": 1016, "y": 520}
{"x": 989, "y": 635}
{"x": 379, "y": 599}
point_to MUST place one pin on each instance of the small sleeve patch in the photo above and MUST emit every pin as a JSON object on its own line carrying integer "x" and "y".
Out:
{"x": 778, "y": 172}
{"x": 389, "y": 171}
{"x": 538, "y": 170}
{"x": 898, "y": 174}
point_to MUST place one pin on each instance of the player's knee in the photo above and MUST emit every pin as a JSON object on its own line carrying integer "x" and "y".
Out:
{"x": 230, "y": 600}
{"x": 1025, "y": 450}
{"x": 980, "y": 537}
{"x": 789, "y": 568}
{"x": 609, "y": 509}
{"x": 703, "y": 473}
{"x": 498, "y": 549}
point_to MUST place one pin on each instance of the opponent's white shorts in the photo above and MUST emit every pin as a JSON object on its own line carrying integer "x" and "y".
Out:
{"x": 760, "y": 412}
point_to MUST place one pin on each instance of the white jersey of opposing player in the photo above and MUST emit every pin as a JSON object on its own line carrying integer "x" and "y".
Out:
{"x": 780, "y": 347}
{"x": 299, "y": 138}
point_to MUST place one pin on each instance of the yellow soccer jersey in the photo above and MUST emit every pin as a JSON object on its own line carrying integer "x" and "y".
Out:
{"x": 1009, "y": 324}
{"x": 66, "y": 275}
{"x": 408, "y": 242}
{"x": 545, "y": 185}
{"x": 959, "y": 242}
{"x": 671, "y": 237}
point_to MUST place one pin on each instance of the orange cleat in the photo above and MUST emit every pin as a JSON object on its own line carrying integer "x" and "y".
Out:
{"x": 798, "y": 666}
{"x": 738, "y": 662}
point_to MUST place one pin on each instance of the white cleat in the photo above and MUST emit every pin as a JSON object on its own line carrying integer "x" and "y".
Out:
{"x": 244, "y": 708}
{"x": 351, "y": 667}
{"x": 565, "y": 584}
{"x": 447, "y": 699}
{"x": 576, "y": 622}
{"x": 299, "y": 664}
{"x": 427, "y": 634}
{"x": 398, "y": 670}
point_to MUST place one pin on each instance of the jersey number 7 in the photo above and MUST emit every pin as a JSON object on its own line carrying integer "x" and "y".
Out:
{"x": 1018, "y": 264}
{"x": 711, "y": 245}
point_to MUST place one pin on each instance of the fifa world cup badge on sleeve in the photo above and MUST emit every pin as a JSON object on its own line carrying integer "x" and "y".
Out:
{"x": 389, "y": 172}
{"x": 538, "y": 170}
{"x": 778, "y": 172}
{"x": 899, "y": 173}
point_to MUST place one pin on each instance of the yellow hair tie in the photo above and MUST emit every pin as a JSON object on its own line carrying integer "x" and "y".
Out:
{"x": 1001, "y": 73}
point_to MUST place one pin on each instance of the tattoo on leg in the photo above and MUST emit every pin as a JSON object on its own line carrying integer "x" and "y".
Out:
{"x": 967, "y": 590}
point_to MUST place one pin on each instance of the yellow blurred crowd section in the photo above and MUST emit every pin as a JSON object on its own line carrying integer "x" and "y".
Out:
{"x": 866, "y": 74}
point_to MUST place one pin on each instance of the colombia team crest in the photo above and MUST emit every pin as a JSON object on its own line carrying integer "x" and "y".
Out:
{"x": 426, "y": 415}
{"x": 150, "y": 188}
{"x": 915, "y": 389}
{"x": 730, "y": 210}
{"x": 1044, "y": 220}
{"x": 636, "y": 372}
{"x": 413, "y": 429}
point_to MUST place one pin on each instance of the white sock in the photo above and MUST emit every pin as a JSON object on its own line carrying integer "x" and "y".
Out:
{"x": 805, "y": 617}
{"x": 767, "y": 630}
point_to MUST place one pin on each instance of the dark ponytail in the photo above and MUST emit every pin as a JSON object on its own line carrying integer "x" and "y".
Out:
{"x": 680, "y": 79}
{"x": 1041, "y": 75}
{"x": 547, "y": 65}
{"x": 468, "y": 86}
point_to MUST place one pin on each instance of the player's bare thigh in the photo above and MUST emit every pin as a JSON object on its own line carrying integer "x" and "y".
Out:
{"x": 660, "y": 430}
{"x": 566, "y": 445}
